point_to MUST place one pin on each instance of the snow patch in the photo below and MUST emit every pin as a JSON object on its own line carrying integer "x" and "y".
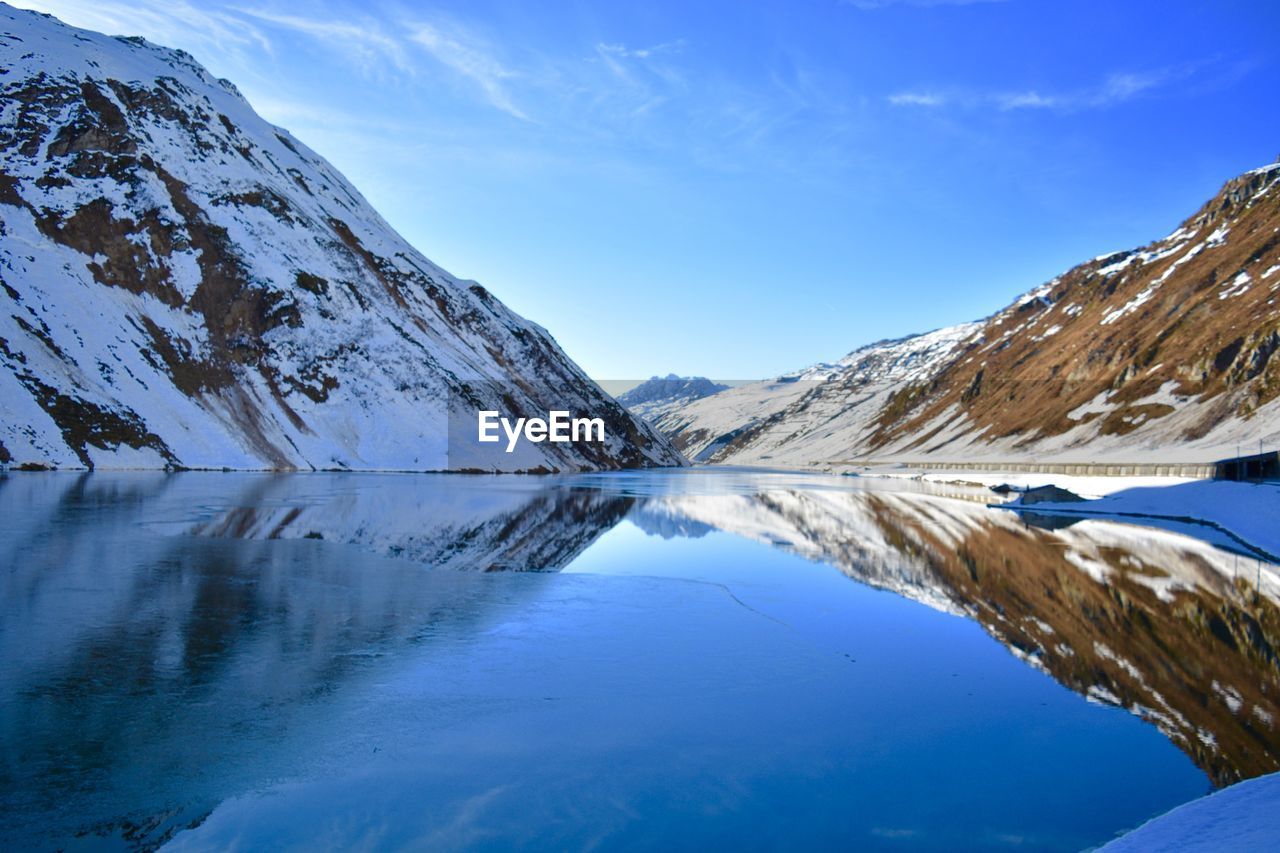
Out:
{"x": 1145, "y": 295}
{"x": 1236, "y": 286}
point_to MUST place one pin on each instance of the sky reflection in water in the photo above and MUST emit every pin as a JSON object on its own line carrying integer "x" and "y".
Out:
{"x": 667, "y": 657}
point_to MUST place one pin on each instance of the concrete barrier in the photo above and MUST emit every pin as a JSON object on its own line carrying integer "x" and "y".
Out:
{"x": 1198, "y": 470}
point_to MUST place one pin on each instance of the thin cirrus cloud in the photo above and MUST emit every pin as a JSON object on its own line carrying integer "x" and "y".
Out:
{"x": 1116, "y": 89}
{"x": 473, "y": 60}
{"x": 642, "y": 72}
{"x": 651, "y": 94}
{"x": 917, "y": 99}
{"x": 162, "y": 21}
{"x": 621, "y": 50}
{"x": 377, "y": 48}
{"x": 604, "y": 90}
{"x": 601, "y": 89}
{"x": 366, "y": 43}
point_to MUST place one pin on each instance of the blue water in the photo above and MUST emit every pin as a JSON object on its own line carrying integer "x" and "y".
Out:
{"x": 664, "y": 659}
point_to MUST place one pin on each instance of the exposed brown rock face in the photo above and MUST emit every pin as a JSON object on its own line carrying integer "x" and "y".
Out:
{"x": 94, "y": 230}
{"x": 1192, "y": 314}
{"x": 84, "y": 423}
{"x": 186, "y": 281}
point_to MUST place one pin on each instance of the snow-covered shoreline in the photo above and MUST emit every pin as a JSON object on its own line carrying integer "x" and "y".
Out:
{"x": 1241, "y": 817}
{"x": 1248, "y": 512}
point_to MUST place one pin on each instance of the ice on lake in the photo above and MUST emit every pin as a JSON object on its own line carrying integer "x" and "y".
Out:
{"x": 675, "y": 658}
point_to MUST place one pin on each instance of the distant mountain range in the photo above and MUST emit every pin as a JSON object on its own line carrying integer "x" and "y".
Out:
{"x": 1162, "y": 353}
{"x": 186, "y": 285}
{"x": 660, "y": 395}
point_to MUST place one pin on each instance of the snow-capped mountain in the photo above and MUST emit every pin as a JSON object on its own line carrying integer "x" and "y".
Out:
{"x": 789, "y": 419}
{"x": 186, "y": 285}
{"x": 1161, "y": 354}
{"x": 659, "y": 395}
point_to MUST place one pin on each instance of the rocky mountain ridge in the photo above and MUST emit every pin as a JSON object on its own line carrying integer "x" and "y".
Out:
{"x": 659, "y": 395}
{"x": 1162, "y": 353}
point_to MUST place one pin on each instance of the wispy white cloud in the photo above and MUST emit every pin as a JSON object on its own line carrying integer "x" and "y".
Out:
{"x": 365, "y": 42}
{"x": 398, "y": 45}
{"x": 624, "y": 52}
{"x": 636, "y": 81}
{"x": 1030, "y": 99}
{"x": 588, "y": 96}
{"x": 401, "y": 46}
{"x": 470, "y": 57}
{"x": 917, "y": 99}
{"x": 1115, "y": 89}
{"x": 1124, "y": 85}
{"x": 167, "y": 22}
{"x": 735, "y": 127}
{"x": 636, "y": 65}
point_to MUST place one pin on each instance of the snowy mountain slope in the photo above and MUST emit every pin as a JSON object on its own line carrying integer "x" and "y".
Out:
{"x": 661, "y": 394}
{"x": 813, "y": 413}
{"x": 1163, "y": 353}
{"x": 186, "y": 285}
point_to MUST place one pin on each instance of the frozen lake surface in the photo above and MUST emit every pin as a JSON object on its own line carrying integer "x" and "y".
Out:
{"x": 674, "y": 658}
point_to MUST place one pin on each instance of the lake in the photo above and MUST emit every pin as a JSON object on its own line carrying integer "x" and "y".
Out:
{"x": 671, "y": 658}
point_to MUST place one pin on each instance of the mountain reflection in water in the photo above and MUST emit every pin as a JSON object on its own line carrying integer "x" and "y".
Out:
{"x": 1167, "y": 626}
{"x": 165, "y": 636}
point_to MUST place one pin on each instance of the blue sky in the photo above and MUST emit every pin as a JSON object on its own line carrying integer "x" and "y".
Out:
{"x": 738, "y": 189}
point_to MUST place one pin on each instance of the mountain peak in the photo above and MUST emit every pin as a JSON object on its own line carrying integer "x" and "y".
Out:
{"x": 659, "y": 394}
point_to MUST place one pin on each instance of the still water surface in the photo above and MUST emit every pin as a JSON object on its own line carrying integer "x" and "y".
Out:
{"x": 674, "y": 658}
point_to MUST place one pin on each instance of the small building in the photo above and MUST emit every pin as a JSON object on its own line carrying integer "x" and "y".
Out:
{"x": 1258, "y": 466}
{"x": 1048, "y": 494}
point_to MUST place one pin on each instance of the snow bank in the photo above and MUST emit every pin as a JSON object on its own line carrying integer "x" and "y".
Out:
{"x": 1250, "y": 511}
{"x": 1245, "y": 816}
